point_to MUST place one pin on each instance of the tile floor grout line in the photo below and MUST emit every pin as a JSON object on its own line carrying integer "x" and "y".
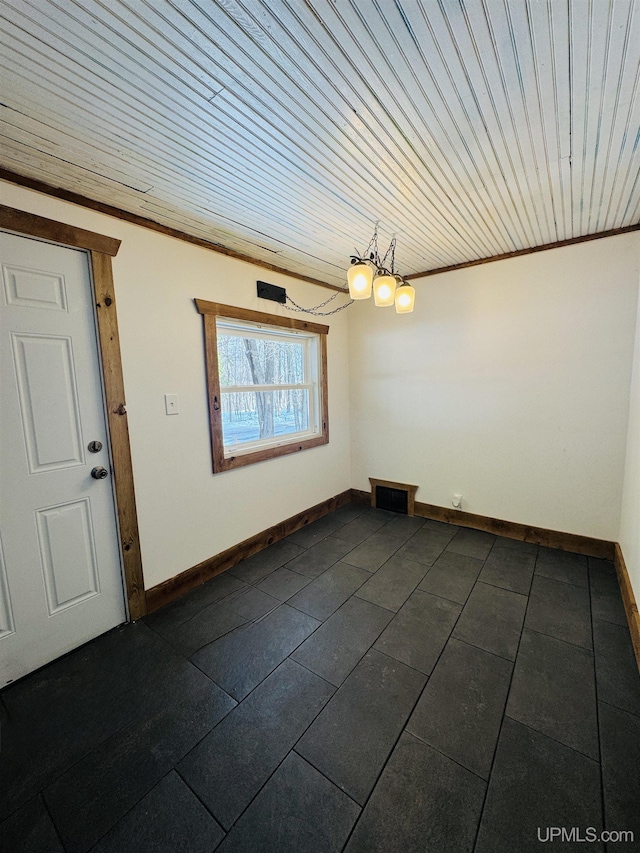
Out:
{"x": 174, "y": 768}
{"x": 321, "y": 677}
{"x": 560, "y": 580}
{"x": 493, "y": 586}
{"x": 128, "y": 811}
{"x": 214, "y": 727}
{"x": 287, "y": 565}
{"x": 618, "y": 708}
{"x": 442, "y": 597}
{"x": 395, "y": 660}
{"x": 187, "y": 657}
{"x": 373, "y": 572}
{"x": 321, "y": 772}
{"x": 244, "y": 626}
{"x": 67, "y": 768}
{"x": 259, "y": 580}
{"x": 559, "y": 639}
{"x": 127, "y": 724}
{"x": 401, "y": 545}
{"x": 42, "y": 791}
{"x": 549, "y": 737}
{"x": 404, "y": 727}
{"x": 53, "y": 823}
{"x": 193, "y": 663}
{"x": 375, "y": 603}
{"x": 197, "y": 796}
{"x": 200, "y": 611}
{"x": 317, "y": 578}
{"x": 597, "y": 709}
{"x": 359, "y": 659}
{"x": 281, "y": 762}
{"x": 440, "y": 752}
{"x": 507, "y": 588}
{"x": 231, "y": 597}
{"x": 271, "y": 671}
{"x": 382, "y": 605}
{"x": 384, "y": 765}
{"x": 480, "y": 649}
{"x": 609, "y": 622}
{"x": 304, "y": 612}
{"x": 504, "y": 716}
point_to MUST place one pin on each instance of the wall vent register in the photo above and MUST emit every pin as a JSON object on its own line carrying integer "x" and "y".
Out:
{"x": 396, "y": 500}
{"x": 397, "y": 497}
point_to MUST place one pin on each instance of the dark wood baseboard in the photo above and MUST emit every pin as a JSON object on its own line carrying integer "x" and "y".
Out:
{"x": 511, "y": 529}
{"x": 629, "y": 600}
{"x": 173, "y": 588}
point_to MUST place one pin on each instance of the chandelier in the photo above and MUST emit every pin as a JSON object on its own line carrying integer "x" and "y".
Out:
{"x": 369, "y": 271}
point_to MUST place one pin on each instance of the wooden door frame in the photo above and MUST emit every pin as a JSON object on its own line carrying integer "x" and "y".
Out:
{"x": 100, "y": 250}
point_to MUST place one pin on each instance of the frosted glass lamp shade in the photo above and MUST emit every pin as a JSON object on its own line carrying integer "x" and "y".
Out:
{"x": 384, "y": 289}
{"x": 405, "y": 298}
{"x": 360, "y": 278}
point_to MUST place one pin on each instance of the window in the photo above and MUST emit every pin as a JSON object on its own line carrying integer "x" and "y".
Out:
{"x": 267, "y": 385}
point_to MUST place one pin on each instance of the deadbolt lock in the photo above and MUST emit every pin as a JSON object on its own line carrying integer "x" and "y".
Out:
{"x": 99, "y": 473}
{"x": 95, "y": 446}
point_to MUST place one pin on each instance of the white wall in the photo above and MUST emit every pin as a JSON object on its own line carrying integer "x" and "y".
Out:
{"x": 509, "y": 384}
{"x": 630, "y": 520}
{"x": 187, "y": 514}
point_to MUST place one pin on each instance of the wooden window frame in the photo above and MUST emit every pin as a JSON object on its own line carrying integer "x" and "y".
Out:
{"x": 100, "y": 250}
{"x": 210, "y": 312}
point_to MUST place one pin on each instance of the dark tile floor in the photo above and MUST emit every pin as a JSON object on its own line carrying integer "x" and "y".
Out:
{"x": 372, "y": 683}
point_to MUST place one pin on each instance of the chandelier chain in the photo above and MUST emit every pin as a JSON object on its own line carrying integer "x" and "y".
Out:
{"x": 390, "y": 251}
{"x": 314, "y": 310}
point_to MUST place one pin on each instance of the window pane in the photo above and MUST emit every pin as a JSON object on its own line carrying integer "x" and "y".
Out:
{"x": 255, "y": 361}
{"x": 251, "y": 415}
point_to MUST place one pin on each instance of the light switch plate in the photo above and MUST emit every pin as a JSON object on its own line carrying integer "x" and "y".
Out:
{"x": 171, "y": 404}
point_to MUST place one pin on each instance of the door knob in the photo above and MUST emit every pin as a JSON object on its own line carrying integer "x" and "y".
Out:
{"x": 99, "y": 473}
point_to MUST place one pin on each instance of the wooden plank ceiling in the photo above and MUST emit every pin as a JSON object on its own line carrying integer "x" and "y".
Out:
{"x": 284, "y": 129}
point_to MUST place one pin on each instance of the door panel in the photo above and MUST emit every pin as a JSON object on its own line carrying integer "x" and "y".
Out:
{"x": 68, "y": 554}
{"x": 49, "y": 405}
{"x": 34, "y": 289}
{"x": 61, "y": 581}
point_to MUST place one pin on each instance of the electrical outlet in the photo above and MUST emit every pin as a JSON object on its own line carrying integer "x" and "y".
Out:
{"x": 456, "y": 503}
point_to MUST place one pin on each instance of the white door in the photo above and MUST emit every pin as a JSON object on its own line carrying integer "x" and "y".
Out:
{"x": 60, "y": 572}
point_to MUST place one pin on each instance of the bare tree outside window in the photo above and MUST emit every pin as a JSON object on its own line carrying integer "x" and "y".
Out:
{"x": 264, "y": 363}
{"x": 262, "y": 373}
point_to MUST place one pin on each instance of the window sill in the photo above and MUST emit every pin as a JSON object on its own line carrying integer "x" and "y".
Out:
{"x": 228, "y": 463}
